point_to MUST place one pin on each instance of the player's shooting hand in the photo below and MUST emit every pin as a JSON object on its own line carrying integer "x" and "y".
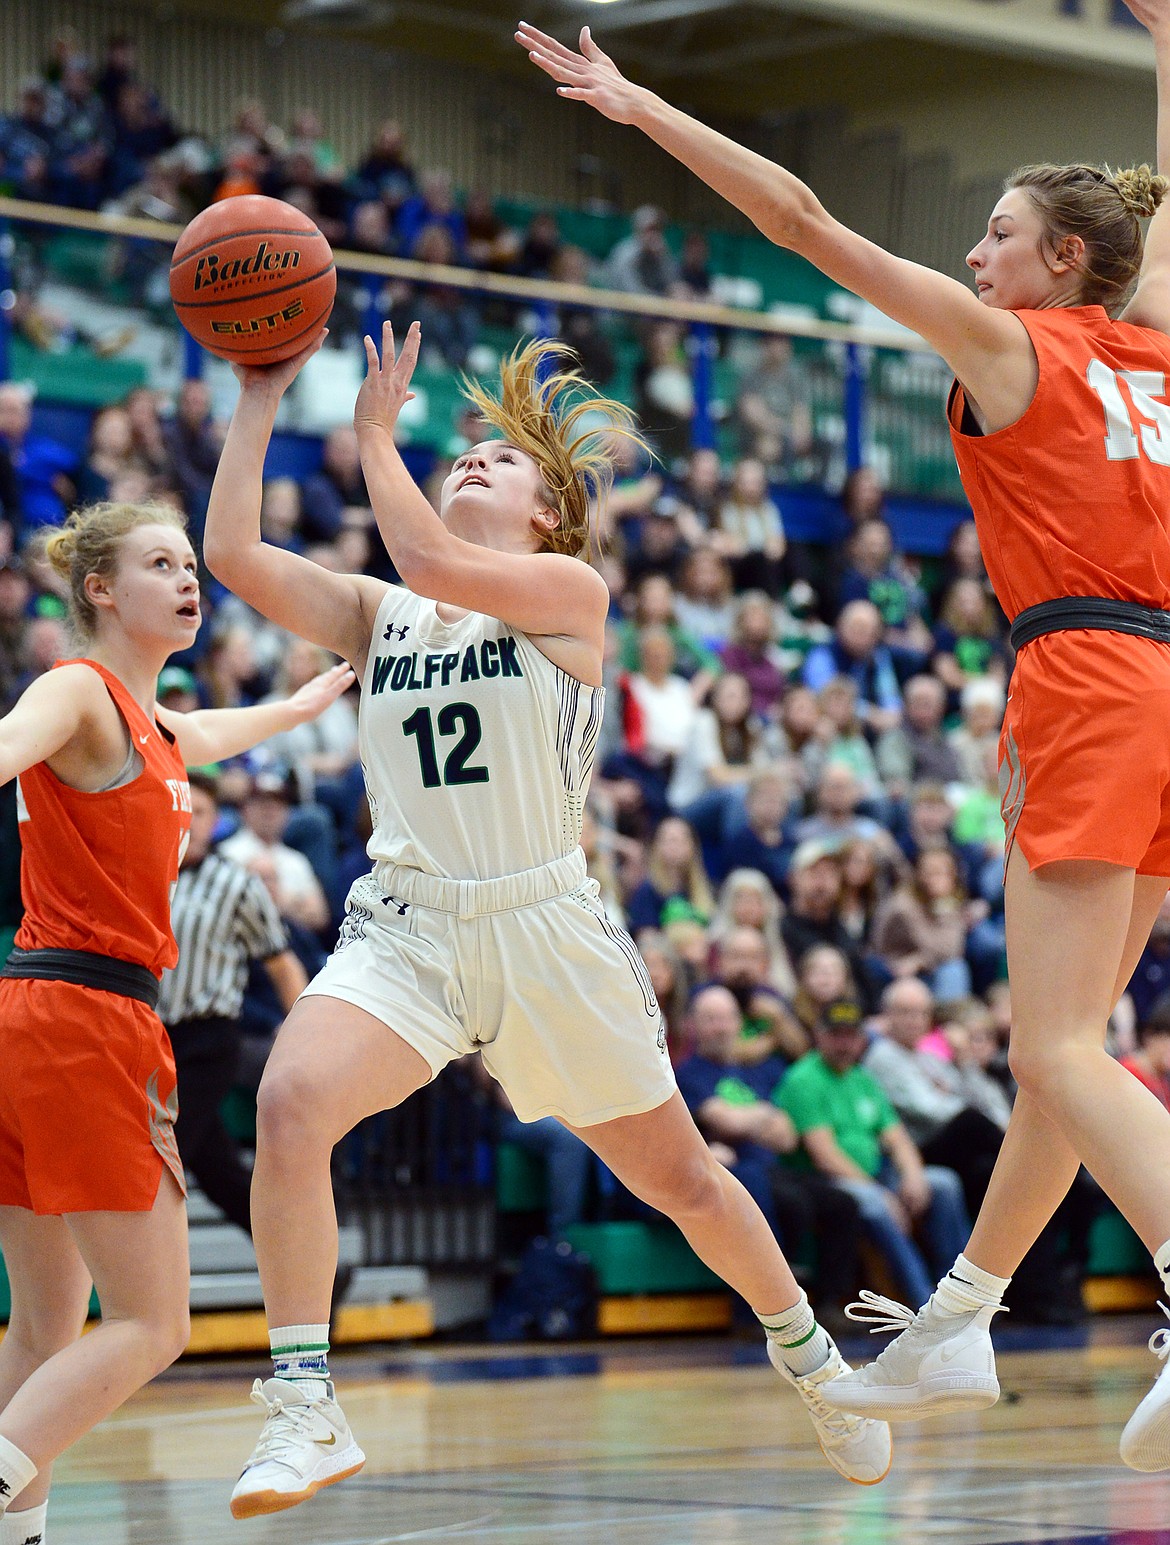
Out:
{"x": 316, "y": 695}
{"x": 275, "y": 380}
{"x": 589, "y": 76}
{"x": 386, "y": 389}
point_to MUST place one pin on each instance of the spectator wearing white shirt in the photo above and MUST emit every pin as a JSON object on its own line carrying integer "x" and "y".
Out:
{"x": 258, "y": 845}
{"x": 327, "y": 748}
{"x": 642, "y": 263}
{"x": 726, "y": 745}
{"x": 750, "y": 531}
{"x": 982, "y": 702}
{"x": 706, "y": 604}
{"x": 664, "y": 699}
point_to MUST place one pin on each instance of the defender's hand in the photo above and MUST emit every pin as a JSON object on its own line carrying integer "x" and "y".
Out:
{"x": 589, "y": 76}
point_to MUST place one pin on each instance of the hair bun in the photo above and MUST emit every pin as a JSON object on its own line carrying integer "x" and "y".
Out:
{"x": 1141, "y": 190}
{"x": 61, "y": 547}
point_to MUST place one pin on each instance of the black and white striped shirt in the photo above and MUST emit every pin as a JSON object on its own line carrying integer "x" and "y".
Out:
{"x": 223, "y": 918}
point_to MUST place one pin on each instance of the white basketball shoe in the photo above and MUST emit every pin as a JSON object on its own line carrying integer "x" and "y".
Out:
{"x": 1145, "y": 1443}
{"x": 939, "y": 1362}
{"x": 860, "y": 1450}
{"x": 305, "y": 1444}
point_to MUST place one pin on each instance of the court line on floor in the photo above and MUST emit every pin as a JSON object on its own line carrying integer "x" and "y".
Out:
{"x": 892, "y": 1514}
{"x": 545, "y": 1526}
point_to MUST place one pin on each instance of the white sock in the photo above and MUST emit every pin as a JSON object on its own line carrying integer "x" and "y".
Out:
{"x": 967, "y": 1287}
{"x": 802, "y": 1344}
{"x": 16, "y": 1470}
{"x": 1162, "y": 1262}
{"x": 27, "y": 1528}
{"x": 300, "y": 1354}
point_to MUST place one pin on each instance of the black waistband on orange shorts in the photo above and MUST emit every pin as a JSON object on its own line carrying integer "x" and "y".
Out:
{"x": 82, "y": 969}
{"x": 1101, "y": 614}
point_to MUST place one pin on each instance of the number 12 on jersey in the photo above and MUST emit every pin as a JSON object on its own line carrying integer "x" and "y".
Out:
{"x": 451, "y": 718}
{"x": 1146, "y": 389}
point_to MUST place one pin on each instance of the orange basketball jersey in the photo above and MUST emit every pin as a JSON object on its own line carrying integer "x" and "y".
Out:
{"x": 1074, "y": 498}
{"x": 97, "y": 869}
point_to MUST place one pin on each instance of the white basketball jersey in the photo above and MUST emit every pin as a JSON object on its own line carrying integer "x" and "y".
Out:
{"x": 477, "y": 749}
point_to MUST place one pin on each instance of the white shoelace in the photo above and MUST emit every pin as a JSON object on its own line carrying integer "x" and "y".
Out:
{"x": 283, "y": 1426}
{"x": 886, "y": 1314}
{"x": 879, "y": 1313}
{"x": 840, "y": 1424}
{"x": 1160, "y": 1340}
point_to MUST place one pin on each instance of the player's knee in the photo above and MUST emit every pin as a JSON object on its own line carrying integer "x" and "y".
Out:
{"x": 289, "y": 1108}
{"x": 171, "y": 1334}
{"x": 1032, "y": 1068}
{"x": 689, "y": 1189}
{"x": 39, "y": 1337}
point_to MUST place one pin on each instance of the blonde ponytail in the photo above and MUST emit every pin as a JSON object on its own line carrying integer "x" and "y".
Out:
{"x": 543, "y": 411}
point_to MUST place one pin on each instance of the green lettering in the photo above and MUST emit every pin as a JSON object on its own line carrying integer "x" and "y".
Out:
{"x": 414, "y": 684}
{"x": 430, "y": 667}
{"x": 470, "y": 670}
{"x": 401, "y": 672}
{"x": 382, "y": 666}
{"x": 450, "y": 661}
{"x": 489, "y": 657}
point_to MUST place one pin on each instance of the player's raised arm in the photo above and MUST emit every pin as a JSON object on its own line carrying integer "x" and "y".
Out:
{"x": 1150, "y": 306}
{"x": 215, "y": 734}
{"x": 333, "y": 610}
{"x": 968, "y": 336}
{"x": 539, "y": 592}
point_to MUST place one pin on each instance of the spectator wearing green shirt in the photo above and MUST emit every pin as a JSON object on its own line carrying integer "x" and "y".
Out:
{"x": 730, "y": 1104}
{"x": 850, "y": 1132}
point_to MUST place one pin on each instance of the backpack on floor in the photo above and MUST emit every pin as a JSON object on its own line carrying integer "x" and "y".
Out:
{"x": 552, "y": 1297}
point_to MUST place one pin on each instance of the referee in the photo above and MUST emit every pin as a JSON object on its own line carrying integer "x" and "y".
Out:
{"x": 223, "y": 918}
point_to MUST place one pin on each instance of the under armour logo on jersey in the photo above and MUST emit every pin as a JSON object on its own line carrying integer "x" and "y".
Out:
{"x": 399, "y": 632}
{"x": 396, "y": 901}
{"x": 5, "y": 1488}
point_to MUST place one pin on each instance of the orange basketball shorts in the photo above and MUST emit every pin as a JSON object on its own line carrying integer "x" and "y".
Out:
{"x": 87, "y": 1100}
{"x": 1084, "y": 756}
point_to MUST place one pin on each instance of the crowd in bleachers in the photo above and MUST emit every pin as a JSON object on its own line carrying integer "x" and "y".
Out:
{"x": 796, "y": 808}
{"x": 96, "y": 136}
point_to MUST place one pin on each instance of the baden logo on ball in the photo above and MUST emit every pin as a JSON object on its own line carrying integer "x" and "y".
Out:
{"x": 252, "y": 280}
{"x": 212, "y": 270}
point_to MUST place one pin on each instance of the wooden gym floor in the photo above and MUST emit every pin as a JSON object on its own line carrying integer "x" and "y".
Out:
{"x": 657, "y": 1443}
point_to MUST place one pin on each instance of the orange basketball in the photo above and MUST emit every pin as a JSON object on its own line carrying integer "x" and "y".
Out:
{"x": 252, "y": 279}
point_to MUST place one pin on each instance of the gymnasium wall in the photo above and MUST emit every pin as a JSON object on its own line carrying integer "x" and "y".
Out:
{"x": 1001, "y": 113}
{"x": 506, "y": 133}
{"x": 914, "y": 165}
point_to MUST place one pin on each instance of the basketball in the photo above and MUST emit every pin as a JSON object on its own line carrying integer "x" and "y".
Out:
{"x": 252, "y": 280}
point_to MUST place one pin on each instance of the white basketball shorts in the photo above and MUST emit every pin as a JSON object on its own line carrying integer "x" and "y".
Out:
{"x": 526, "y": 969}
